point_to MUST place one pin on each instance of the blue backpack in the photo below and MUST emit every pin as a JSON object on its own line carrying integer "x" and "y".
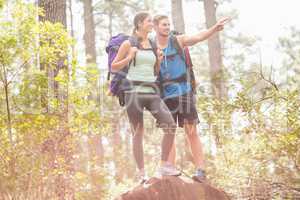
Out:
{"x": 186, "y": 57}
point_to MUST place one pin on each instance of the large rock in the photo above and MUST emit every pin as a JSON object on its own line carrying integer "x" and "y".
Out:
{"x": 174, "y": 188}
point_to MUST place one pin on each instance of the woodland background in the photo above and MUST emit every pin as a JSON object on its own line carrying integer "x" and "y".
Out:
{"x": 63, "y": 137}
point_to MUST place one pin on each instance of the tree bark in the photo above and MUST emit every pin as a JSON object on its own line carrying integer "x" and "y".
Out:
{"x": 91, "y": 55}
{"x": 177, "y": 15}
{"x": 216, "y": 64}
{"x": 117, "y": 149}
{"x": 110, "y": 23}
{"x": 89, "y": 33}
{"x": 9, "y": 125}
{"x": 215, "y": 56}
{"x": 72, "y": 26}
{"x": 54, "y": 10}
{"x": 130, "y": 169}
{"x": 96, "y": 150}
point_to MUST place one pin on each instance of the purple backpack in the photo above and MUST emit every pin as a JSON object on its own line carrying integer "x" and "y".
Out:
{"x": 112, "y": 50}
{"x": 119, "y": 83}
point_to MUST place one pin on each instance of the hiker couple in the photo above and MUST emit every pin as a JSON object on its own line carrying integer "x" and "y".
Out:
{"x": 158, "y": 75}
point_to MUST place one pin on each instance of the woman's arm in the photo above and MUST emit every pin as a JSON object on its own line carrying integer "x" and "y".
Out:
{"x": 125, "y": 54}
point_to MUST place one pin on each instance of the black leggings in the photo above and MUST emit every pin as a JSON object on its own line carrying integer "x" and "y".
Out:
{"x": 135, "y": 104}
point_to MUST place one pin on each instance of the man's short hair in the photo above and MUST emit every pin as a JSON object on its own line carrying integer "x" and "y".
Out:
{"x": 158, "y": 18}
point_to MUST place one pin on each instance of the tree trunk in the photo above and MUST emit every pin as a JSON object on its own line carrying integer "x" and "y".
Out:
{"x": 9, "y": 125}
{"x": 55, "y": 12}
{"x": 117, "y": 149}
{"x": 110, "y": 23}
{"x": 130, "y": 169}
{"x": 72, "y": 27}
{"x": 96, "y": 150}
{"x": 177, "y": 15}
{"x": 11, "y": 154}
{"x": 215, "y": 56}
{"x": 90, "y": 52}
{"x": 216, "y": 64}
{"x": 147, "y": 4}
{"x": 115, "y": 122}
{"x": 89, "y": 33}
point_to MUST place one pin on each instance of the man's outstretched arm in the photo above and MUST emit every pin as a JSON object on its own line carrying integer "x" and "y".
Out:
{"x": 186, "y": 40}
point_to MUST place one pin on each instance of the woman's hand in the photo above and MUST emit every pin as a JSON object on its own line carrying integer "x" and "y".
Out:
{"x": 132, "y": 52}
{"x": 160, "y": 54}
{"x": 125, "y": 54}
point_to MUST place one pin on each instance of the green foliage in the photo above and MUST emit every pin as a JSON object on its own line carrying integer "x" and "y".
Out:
{"x": 2, "y": 3}
{"x": 54, "y": 43}
{"x": 120, "y": 14}
{"x": 258, "y": 136}
{"x": 32, "y": 162}
{"x": 251, "y": 140}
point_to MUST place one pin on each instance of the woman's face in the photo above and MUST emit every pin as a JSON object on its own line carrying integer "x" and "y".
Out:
{"x": 147, "y": 24}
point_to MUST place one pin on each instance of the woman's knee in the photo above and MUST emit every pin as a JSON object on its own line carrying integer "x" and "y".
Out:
{"x": 137, "y": 130}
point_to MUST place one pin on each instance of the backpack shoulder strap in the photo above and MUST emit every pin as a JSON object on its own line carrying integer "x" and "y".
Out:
{"x": 134, "y": 42}
{"x": 177, "y": 46}
{"x": 187, "y": 56}
{"x": 153, "y": 46}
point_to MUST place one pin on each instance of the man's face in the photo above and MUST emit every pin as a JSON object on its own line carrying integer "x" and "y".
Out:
{"x": 163, "y": 27}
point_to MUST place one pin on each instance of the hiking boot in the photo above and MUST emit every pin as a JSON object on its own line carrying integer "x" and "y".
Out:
{"x": 199, "y": 176}
{"x": 142, "y": 177}
{"x": 168, "y": 170}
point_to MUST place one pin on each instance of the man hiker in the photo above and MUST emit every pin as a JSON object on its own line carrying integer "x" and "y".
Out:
{"x": 176, "y": 89}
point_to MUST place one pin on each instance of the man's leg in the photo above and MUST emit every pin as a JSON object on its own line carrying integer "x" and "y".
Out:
{"x": 195, "y": 144}
{"x": 188, "y": 119}
{"x": 172, "y": 155}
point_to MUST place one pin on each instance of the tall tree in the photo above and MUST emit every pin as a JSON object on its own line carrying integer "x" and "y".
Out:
{"x": 91, "y": 56}
{"x": 96, "y": 150}
{"x": 177, "y": 15}
{"x": 55, "y": 12}
{"x": 215, "y": 56}
{"x": 70, "y": 7}
{"x": 89, "y": 31}
{"x": 216, "y": 64}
